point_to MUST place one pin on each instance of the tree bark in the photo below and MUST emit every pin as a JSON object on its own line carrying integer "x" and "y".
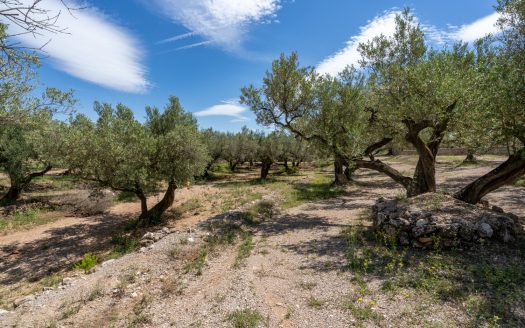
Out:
{"x": 384, "y": 168}
{"x": 17, "y": 186}
{"x": 265, "y": 169}
{"x": 471, "y": 158}
{"x": 154, "y": 215}
{"x": 339, "y": 171}
{"x": 506, "y": 173}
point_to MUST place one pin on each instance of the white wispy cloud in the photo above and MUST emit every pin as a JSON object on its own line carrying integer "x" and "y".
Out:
{"x": 230, "y": 108}
{"x": 349, "y": 55}
{"x": 93, "y": 48}
{"x": 222, "y": 22}
{"x": 477, "y": 29}
{"x": 177, "y": 38}
{"x": 385, "y": 25}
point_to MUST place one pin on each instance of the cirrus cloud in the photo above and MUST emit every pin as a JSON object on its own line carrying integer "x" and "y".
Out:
{"x": 220, "y": 22}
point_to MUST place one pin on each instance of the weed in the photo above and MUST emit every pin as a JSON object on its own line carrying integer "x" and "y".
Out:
{"x": 244, "y": 250}
{"x": 96, "y": 292}
{"x": 363, "y": 312}
{"x": 246, "y": 318}
{"x": 307, "y": 285}
{"x": 70, "y": 311}
{"x": 315, "y": 303}
{"x": 123, "y": 245}
{"x": 87, "y": 263}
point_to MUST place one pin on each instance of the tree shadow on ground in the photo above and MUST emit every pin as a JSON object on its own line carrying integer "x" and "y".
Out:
{"x": 59, "y": 250}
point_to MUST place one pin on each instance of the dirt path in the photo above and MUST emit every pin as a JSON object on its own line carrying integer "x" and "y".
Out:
{"x": 295, "y": 276}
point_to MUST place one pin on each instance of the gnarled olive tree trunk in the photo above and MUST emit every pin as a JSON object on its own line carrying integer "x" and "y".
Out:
{"x": 506, "y": 173}
{"x": 265, "y": 168}
{"x": 18, "y": 185}
{"x": 153, "y": 215}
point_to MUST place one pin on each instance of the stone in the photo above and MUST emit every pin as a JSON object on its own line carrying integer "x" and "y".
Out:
{"x": 191, "y": 239}
{"x": 421, "y": 223}
{"x": 148, "y": 235}
{"x": 3, "y": 312}
{"x": 425, "y": 240}
{"x": 108, "y": 262}
{"x": 47, "y": 288}
{"x": 67, "y": 281}
{"x": 497, "y": 209}
{"x": 413, "y": 222}
{"x": 404, "y": 239}
{"x": 485, "y": 230}
{"x": 19, "y": 301}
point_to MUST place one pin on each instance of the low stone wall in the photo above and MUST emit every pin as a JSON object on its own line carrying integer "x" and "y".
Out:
{"x": 431, "y": 219}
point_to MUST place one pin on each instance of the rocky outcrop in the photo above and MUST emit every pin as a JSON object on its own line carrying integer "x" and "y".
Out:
{"x": 440, "y": 220}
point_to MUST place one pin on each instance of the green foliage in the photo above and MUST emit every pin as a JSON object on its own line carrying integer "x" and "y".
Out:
{"x": 246, "y": 318}
{"x": 87, "y": 263}
{"x": 126, "y": 197}
{"x": 120, "y": 152}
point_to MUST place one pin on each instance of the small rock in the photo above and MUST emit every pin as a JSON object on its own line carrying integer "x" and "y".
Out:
{"x": 108, "y": 262}
{"x": 115, "y": 290}
{"x": 497, "y": 209}
{"x": 22, "y": 300}
{"x": 166, "y": 230}
{"x": 134, "y": 295}
{"x": 191, "y": 239}
{"x": 421, "y": 223}
{"x": 425, "y": 240}
{"x": 67, "y": 281}
{"x": 48, "y": 288}
{"x": 3, "y": 312}
{"x": 485, "y": 230}
{"x": 148, "y": 235}
{"x": 142, "y": 249}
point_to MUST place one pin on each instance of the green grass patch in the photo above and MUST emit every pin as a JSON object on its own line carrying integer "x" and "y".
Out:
{"x": 520, "y": 182}
{"x": 246, "y": 318}
{"x": 297, "y": 193}
{"x": 88, "y": 262}
{"x": 23, "y": 219}
{"x": 188, "y": 206}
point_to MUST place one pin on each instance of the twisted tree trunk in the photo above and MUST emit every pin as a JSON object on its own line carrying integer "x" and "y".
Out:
{"x": 265, "y": 168}
{"x": 19, "y": 184}
{"x": 154, "y": 215}
{"x": 506, "y": 173}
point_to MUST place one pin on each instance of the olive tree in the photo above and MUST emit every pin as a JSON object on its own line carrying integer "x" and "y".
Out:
{"x": 501, "y": 100}
{"x": 30, "y": 138}
{"x": 269, "y": 150}
{"x": 421, "y": 93}
{"x": 318, "y": 109}
{"x": 216, "y": 144}
{"x": 123, "y": 154}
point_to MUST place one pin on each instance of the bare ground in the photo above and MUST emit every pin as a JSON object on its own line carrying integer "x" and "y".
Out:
{"x": 296, "y": 275}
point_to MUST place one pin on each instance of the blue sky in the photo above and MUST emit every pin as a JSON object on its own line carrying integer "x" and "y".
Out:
{"x": 139, "y": 52}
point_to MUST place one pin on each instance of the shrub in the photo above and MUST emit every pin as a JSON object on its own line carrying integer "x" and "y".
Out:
{"x": 87, "y": 263}
{"x": 246, "y": 318}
